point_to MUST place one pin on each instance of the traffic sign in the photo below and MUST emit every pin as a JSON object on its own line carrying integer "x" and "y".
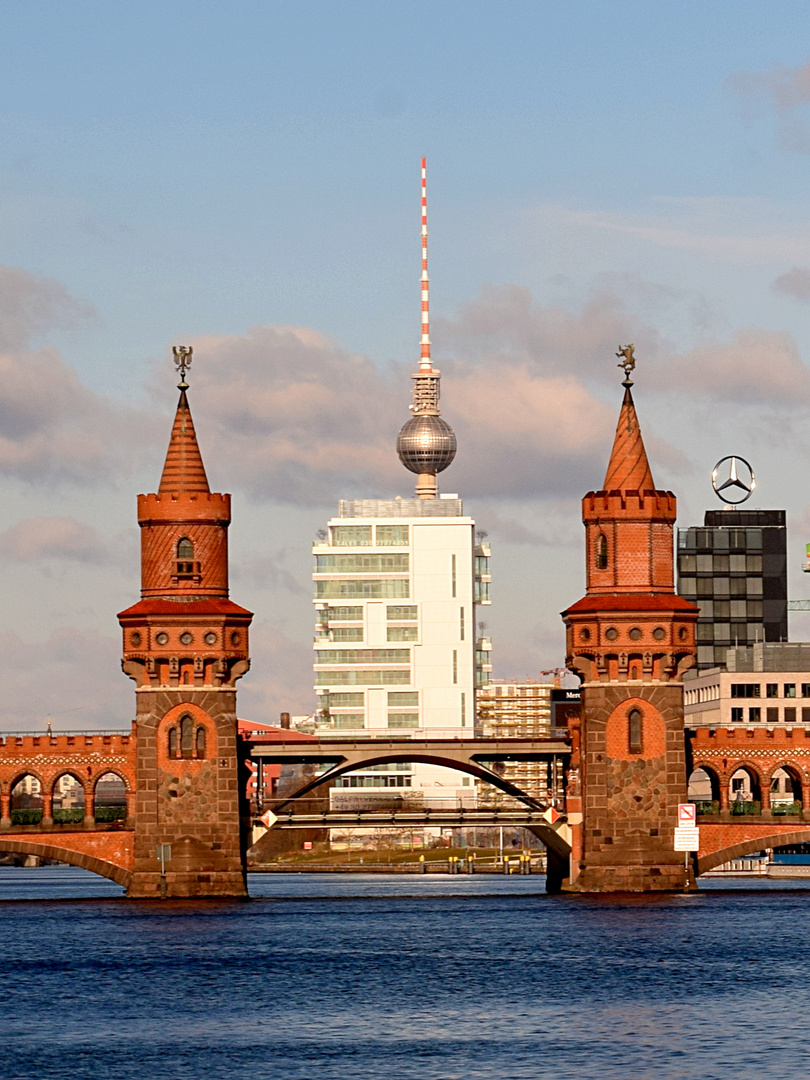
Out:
{"x": 268, "y": 818}
{"x": 687, "y": 838}
{"x": 551, "y": 815}
{"x": 687, "y": 814}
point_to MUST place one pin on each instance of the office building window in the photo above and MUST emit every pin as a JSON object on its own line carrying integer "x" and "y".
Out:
{"x": 754, "y": 716}
{"x": 402, "y": 633}
{"x": 455, "y": 666}
{"x": 362, "y": 564}
{"x": 368, "y": 588}
{"x": 364, "y": 677}
{"x": 362, "y": 656}
{"x": 403, "y": 719}
{"x": 806, "y": 716}
{"x": 805, "y": 689}
{"x": 400, "y": 697}
{"x": 402, "y": 613}
{"x": 347, "y": 633}
{"x": 463, "y": 709}
{"x": 351, "y": 535}
{"x": 344, "y": 614}
{"x": 461, "y": 624}
{"x": 745, "y": 689}
{"x": 392, "y": 536}
{"x": 772, "y": 689}
{"x": 790, "y": 689}
{"x": 737, "y": 714}
{"x": 452, "y": 575}
{"x": 790, "y": 714}
{"x": 772, "y": 715}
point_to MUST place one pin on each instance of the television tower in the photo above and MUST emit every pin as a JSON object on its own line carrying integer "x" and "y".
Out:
{"x": 426, "y": 444}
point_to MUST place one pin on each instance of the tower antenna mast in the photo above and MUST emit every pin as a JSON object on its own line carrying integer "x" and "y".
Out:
{"x": 425, "y": 363}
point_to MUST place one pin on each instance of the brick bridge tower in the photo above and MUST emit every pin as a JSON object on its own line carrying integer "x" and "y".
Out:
{"x": 185, "y": 645}
{"x": 630, "y": 639}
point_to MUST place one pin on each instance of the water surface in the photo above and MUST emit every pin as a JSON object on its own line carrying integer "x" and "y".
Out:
{"x": 433, "y": 977}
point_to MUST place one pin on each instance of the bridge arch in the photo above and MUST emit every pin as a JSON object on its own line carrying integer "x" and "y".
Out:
{"x": 710, "y": 775}
{"x": 553, "y": 841}
{"x": 447, "y": 761}
{"x": 19, "y": 845}
{"x": 742, "y": 848}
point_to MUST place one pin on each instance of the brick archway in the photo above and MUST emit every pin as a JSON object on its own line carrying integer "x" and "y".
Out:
{"x": 108, "y": 854}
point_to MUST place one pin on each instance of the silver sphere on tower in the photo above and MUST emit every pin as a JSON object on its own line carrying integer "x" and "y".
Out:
{"x": 426, "y": 444}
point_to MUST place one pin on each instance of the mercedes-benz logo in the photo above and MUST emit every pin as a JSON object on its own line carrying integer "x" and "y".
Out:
{"x": 736, "y": 479}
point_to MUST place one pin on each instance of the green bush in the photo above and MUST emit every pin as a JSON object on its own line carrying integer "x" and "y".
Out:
{"x": 787, "y": 808}
{"x": 111, "y": 813}
{"x": 30, "y": 816}
{"x": 705, "y": 807}
{"x": 73, "y": 815}
{"x": 745, "y": 807}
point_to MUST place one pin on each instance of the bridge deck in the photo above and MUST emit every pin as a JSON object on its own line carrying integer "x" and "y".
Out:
{"x": 489, "y": 749}
{"x": 404, "y": 819}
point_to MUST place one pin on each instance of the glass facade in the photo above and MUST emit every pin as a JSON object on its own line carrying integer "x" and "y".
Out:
{"x": 368, "y": 588}
{"x": 735, "y": 569}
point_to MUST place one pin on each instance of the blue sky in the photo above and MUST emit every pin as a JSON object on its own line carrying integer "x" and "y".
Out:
{"x": 212, "y": 172}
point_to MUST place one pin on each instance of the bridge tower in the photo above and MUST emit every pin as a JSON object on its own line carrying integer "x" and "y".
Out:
{"x": 185, "y": 643}
{"x": 630, "y": 639}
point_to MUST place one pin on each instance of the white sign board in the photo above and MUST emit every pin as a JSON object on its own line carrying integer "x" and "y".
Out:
{"x": 687, "y": 838}
{"x": 687, "y": 814}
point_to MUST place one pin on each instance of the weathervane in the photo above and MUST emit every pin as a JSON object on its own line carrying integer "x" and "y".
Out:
{"x": 628, "y": 362}
{"x": 182, "y": 361}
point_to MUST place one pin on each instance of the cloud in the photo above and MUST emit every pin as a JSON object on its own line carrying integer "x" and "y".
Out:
{"x": 786, "y": 90}
{"x": 52, "y": 427}
{"x": 757, "y": 367}
{"x": 30, "y": 305}
{"x": 286, "y": 414}
{"x": 73, "y": 676}
{"x": 280, "y": 678}
{"x": 795, "y": 283}
{"x": 37, "y": 538}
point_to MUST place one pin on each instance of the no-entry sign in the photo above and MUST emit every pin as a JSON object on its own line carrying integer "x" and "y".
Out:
{"x": 687, "y": 814}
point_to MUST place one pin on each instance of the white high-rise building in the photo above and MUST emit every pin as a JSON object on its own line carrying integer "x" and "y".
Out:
{"x": 397, "y": 583}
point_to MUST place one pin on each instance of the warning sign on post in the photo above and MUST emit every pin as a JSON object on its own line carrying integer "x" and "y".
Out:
{"x": 687, "y": 838}
{"x": 687, "y": 814}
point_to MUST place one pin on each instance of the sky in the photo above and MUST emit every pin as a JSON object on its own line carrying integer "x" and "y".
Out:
{"x": 243, "y": 177}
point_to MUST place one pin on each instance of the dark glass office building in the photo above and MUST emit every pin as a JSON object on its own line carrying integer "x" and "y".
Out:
{"x": 735, "y": 570}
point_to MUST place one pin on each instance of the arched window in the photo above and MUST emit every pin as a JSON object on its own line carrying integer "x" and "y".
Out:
{"x": 634, "y": 731}
{"x": 173, "y": 742}
{"x": 186, "y": 736}
{"x": 186, "y": 566}
{"x": 200, "y": 742}
{"x": 601, "y": 552}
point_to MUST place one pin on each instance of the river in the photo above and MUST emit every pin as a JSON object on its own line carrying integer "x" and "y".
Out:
{"x": 431, "y": 977}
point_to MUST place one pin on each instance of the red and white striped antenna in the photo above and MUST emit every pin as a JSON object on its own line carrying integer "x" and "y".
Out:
{"x": 425, "y": 363}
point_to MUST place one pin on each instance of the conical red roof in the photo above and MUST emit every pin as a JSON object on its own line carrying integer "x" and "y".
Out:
{"x": 183, "y": 469}
{"x": 628, "y": 468}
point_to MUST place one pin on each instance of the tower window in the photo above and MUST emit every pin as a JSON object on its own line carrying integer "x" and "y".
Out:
{"x": 601, "y": 552}
{"x": 186, "y": 567}
{"x": 186, "y": 735}
{"x": 200, "y": 742}
{"x": 634, "y": 731}
{"x": 173, "y": 742}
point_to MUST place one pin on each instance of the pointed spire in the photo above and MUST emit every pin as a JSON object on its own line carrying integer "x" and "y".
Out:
{"x": 183, "y": 469}
{"x": 628, "y": 468}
